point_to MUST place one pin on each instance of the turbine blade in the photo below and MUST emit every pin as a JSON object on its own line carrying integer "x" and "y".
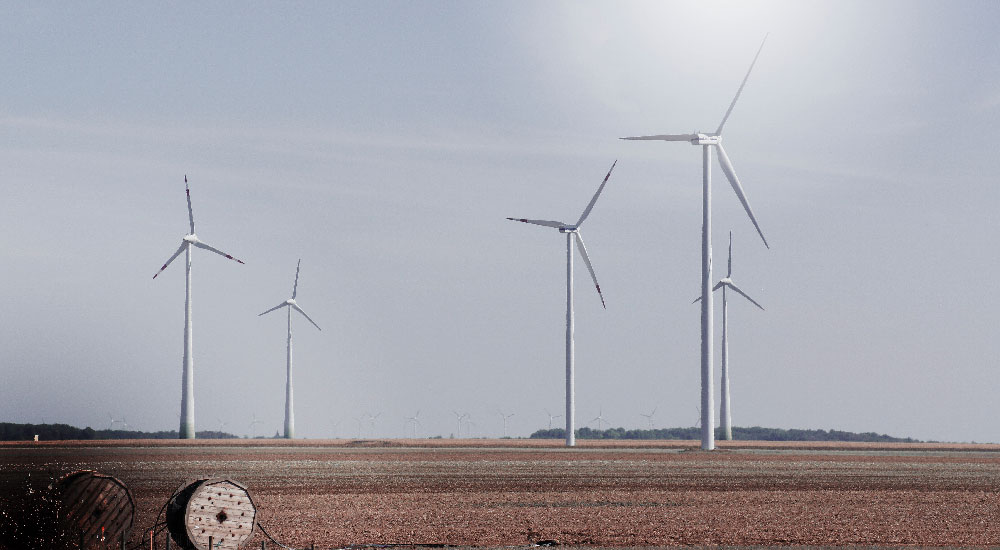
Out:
{"x": 297, "y": 308}
{"x": 714, "y": 288}
{"x": 590, "y": 206}
{"x": 296, "y": 287}
{"x": 663, "y": 137}
{"x": 590, "y": 268}
{"x": 744, "y": 294}
{"x": 546, "y": 223}
{"x": 172, "y": 258}
{"x": 190, "y": 211}
{"x": 727, "y": 167}
{"x": 730, "y": 272}
{"x": 279, "y": 306}
{"x": 200, "y": 244}
{"x": 744, "y": 83}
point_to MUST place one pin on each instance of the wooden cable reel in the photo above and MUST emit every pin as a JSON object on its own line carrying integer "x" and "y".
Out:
{"x": 218, "y": 508}
{"x": 95, "y": 510}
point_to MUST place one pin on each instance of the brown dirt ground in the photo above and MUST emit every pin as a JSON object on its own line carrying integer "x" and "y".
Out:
{"x": 516, "y": 492}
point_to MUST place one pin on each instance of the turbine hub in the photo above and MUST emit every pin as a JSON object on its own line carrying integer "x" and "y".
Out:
{"x": 567, "y": 229}
{"x": 290, "y": 302}
{"x": 192, "y": 238}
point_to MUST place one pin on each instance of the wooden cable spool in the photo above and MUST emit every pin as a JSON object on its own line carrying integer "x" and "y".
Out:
{"x": 95, "y": 511}
{"x": 218, "y": 508}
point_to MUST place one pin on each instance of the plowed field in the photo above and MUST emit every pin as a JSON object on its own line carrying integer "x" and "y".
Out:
{"x": 507, "y": 493}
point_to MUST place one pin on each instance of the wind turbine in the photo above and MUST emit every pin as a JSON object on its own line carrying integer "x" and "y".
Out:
{"x": 724, "y": 284}
{"x": 572, "y": 232}
{"x": 458, "y": 422}
{"x": 253, "y": 426}
{"x": 505, "y": 418}
{"x": 186, "y": 430}
{"x": 707, "y": 141}
{"x": 289, "y": 395}
{"x": 599, "y": 419}
{"x": 111, "y": 424}
{"x": 649, "y": 417}
{"x": 412, "y": 421}
{"x": 371, "y": 420}
{"x": 552, "y": 417}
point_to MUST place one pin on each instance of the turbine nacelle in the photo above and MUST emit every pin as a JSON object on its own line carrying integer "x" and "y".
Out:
{"x": 192, "y": 238}
{"x": 707, "y": 139}
{"x": 290, "y": 302}
{"x": 568, "y": 229}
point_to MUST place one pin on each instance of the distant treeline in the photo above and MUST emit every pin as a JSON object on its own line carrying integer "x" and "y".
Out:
{"x": 755, "y": 433}
{"x": 54, "y": 432}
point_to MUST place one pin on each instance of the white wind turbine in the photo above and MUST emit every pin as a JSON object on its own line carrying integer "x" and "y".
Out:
{"x": 724, "y": 284}
{"x": 458, "y": 422}
{"x": 552, "y": 417}
{"x": 253, "y": 426}
{"x": 112, "y": 422}
{"x": 599, "y": 419}
{"x": 707, "y": 141}
{"x": 187, "y": 381}
{"x": 505, "y": 418}
{"x": 414, "y": 422}
{"x": 371, "y": 421}
{"x": 572, "y": 232}
{"x": 289, "y": 394}
{"x": 649, "y": 417}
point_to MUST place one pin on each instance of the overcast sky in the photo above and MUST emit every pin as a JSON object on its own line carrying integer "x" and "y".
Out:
{"x": 384, "y": 144}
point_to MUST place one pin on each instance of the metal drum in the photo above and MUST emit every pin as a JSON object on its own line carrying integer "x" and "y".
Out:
{"x": 220, "y": 509}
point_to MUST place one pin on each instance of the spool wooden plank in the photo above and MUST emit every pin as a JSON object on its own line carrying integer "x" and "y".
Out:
{"x": 220, "y": 509}
{"x": 96, "y": 506}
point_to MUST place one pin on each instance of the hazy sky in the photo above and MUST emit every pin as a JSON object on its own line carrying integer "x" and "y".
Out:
{"x": 385, "y": 143}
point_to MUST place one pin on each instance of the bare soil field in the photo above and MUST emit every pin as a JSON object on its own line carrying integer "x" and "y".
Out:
{"x": 517, "y": 492}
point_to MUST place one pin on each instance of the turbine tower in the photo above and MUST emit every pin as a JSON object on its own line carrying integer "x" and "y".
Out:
{"x": 186, "y": 430}
{"x": 725, "y": 284}
{"x": 707, "y": 141}
{"x": 289, "y": 394}
{"x": 572, "y": 232}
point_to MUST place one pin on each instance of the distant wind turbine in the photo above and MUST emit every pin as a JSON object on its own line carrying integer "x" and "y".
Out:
{"x": 289, "y": 393}
{"x": 599, "y": 419}
{"x": 552, "y": 417}
{"x": 186, "y": 430}
{"x": 458, "y": 422}
{"x": 649, "y": 417}
{"x": 253, "y": 426}
{"x": 505, "y": 418}
{"x": 572, "y": 232}
{"x": 707, "y": 141}
{"x": 725, "y": 284}
{"x": 112, "y": 422}
{"x": 371, "y": 421}
{"x": 414, "y": 422}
